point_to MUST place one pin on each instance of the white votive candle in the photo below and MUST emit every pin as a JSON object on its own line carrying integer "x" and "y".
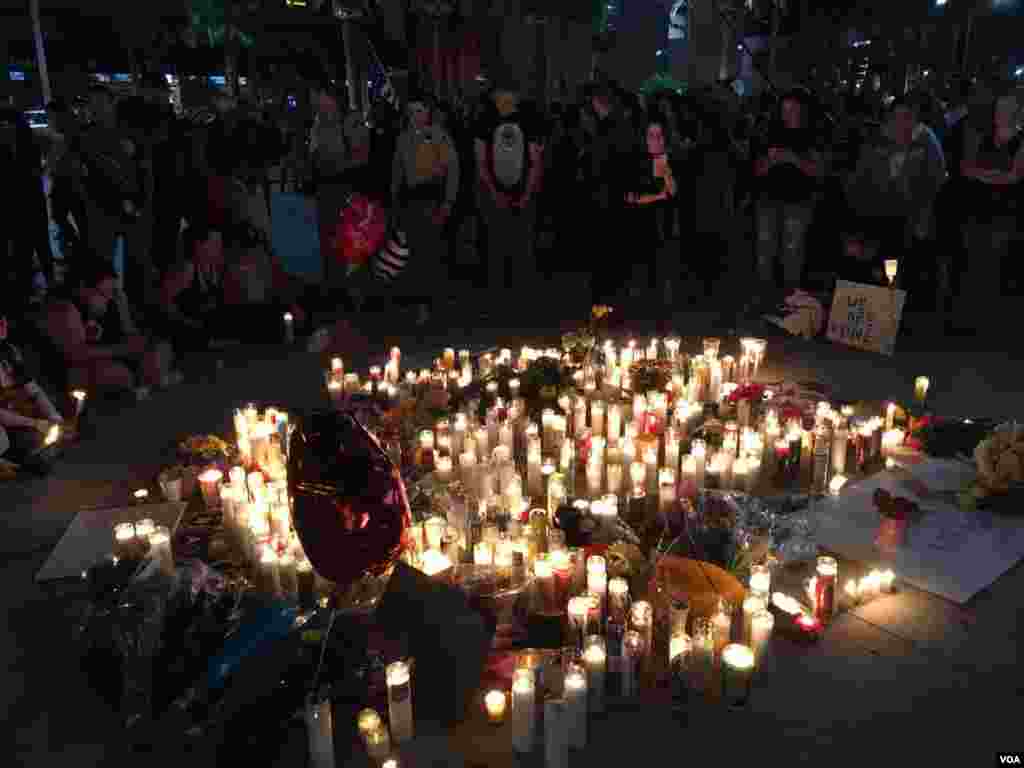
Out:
{"x": 399, "y": 701}
{"x": 752, "y": 606}
{"x": 761, "y": 626}
{"x": 575, "y": 687}
{"x": 737, "y": 673}
{"x": 595, "y": 659}
{"x": 160, "y": 549}
{"x": 524, "y": 712}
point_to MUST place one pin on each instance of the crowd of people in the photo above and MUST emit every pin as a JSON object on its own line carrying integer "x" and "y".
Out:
{"x": 164, "y": 221}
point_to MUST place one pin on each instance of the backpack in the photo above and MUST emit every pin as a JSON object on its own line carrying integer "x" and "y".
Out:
{"x": 509, "y": 154}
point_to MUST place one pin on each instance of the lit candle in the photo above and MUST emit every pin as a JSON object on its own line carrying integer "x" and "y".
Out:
{"x": 434, "y": 562}
{"x": 124, "y": 539}
{"x": 320, "y": 733}
{"x": 891, "y": 441}
{"x": 651, "y": 469}
{"x": 575, "y": 689}
{"x": 886, "y": 579}
{"x": 890, "y": 416}
{"x": 761, "y": 626}
{"x": 544, "y": 574}
{"x": 615, "y": 478}
{"x": 703, "y": 640}
{"x": 752, "y": 606}
{"x": 618, "y": 599}
{"x": 699, "y": 452}
{"x": 289, "y": 327}
{"x": 483, "y": 553}
{"x": 443, "y": 468}
{"x": 595, "y": 658}
{"x": 827, "y": 572}
{"x": 579, "y": 615}
{"x": 869, "y": 586}
{"x": 482, "y": 438}
{"x": 160, "y": 549}
{"x": 467, "y": 467}
{"x": 374, "y": 735}
{"x": 79, "y": 397}
{"x": 642, "y": 620}
{"x": 836, "y": 484}
{"x": 399, "y": 701}
{"x": 614, "y": 423}
{"x": 737, "y": 673}
{"x": 761, "y": 581}
{"x": 672, "y": 450}
{"x": 852, "y": 590}
{"x": 269, "y": 576}
{"x": 524, "y": 711}
{"x": 921, "y": 384}
{"x": 632, "y": 656}
{"x": 597, "y": 417}
{"x": 721, "y": 626}
{"x": 209, "y": 484}
{"x": 595, "y": 477}
{"x": 495, "y": 702}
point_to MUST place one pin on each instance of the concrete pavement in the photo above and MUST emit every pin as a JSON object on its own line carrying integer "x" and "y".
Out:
{"x": 906, "y": 678}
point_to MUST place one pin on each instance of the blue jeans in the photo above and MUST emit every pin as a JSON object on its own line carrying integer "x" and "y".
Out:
{"x": 788, "y": 222}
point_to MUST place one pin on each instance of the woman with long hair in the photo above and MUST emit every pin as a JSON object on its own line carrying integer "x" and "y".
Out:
{"x": 649, "y": 188}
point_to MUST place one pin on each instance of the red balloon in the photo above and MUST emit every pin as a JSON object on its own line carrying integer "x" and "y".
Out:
{"x": 351, "y": 511}
{"x": 360, "y": 231}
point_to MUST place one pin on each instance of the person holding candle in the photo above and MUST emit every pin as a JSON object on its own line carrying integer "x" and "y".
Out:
{"x": 27, "y": 416}
{"x": 229, "y": 286}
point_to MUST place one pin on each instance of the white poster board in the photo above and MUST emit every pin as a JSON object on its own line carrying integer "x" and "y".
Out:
{"x": 866, "y": 316}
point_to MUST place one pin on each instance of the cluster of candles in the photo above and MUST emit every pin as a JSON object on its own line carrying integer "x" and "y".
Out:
{"x": 144, "y": 537}
{"x": 871, "y": 585}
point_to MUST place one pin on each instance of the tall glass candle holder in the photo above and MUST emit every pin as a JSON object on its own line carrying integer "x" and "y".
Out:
{"x": 703, "y": 654}
{"x": 698, "y": 450}
{"x": 209, "y": 484}
{"x": 721, "y": 625}
{"x": 678, "y": 616}
{"x": 160, "y": 549}
{"x": 579, "y": 619}
{"x": 761, "y": 581}
{"x": 827, "y": 575}
{"x": 642, "y": 620}
{"x": 575, "y": 691}
{"x": 320, "y": 732}
{"x": 632, "y": 661}
{"x": 124, "y": 540}
{"x": 761, "y": 626}
{"x": 737, "y": 674}
{"x": 544, "y": 576}
{"x": 752, "y": 605}
{"x": 595, "y": 659}
{"x": 618, "y": 599}
{"x": 524, "y": 713}
{"x": 400, "y": 701}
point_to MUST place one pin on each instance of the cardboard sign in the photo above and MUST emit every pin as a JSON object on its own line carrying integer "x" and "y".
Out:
{"x": 866, "y": 316}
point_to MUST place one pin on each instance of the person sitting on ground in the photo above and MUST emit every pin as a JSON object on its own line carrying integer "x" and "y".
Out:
{"x": 92, "y": 329}
{"x": 27, "y": 415}
{"x": 210, "y": 296}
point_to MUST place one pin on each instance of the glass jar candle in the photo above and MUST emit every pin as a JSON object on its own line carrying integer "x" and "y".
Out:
{"x": 524, "y": 712}
{"x": 399, "y": 684}
{"x": 761, "y": 626}
{"x": 737, "y": 674}
{"x": 124, "y": 539}
{"x": 632, "y": 661}
{"x": 761, "y": 581}
{"x": 595, "y": 658}
{"x": 618, "y": 599}
{"x": 826, "y": 576}
{"x": 495, "y": 704}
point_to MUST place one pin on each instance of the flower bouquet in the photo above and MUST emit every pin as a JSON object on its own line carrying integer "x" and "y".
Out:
{"x": 745, "y": 398}
{"x": 579, "y": 345}
{"x": 203, "y": 450}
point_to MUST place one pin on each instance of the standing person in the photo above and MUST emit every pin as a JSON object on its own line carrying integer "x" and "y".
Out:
{"x": 25, "y": 228}
{"x": 650, "y": 187}
{"x": 113, "y": 199}
{"x": 424, "y": 189}
{"x": 509, "y": 154}
{"x": 892, "y": 193}
{"x": 340, "y": 150}
{"x": 789, "y": 167}
{"x": 993, "y": 162}
{"x": 610, "y": 149}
